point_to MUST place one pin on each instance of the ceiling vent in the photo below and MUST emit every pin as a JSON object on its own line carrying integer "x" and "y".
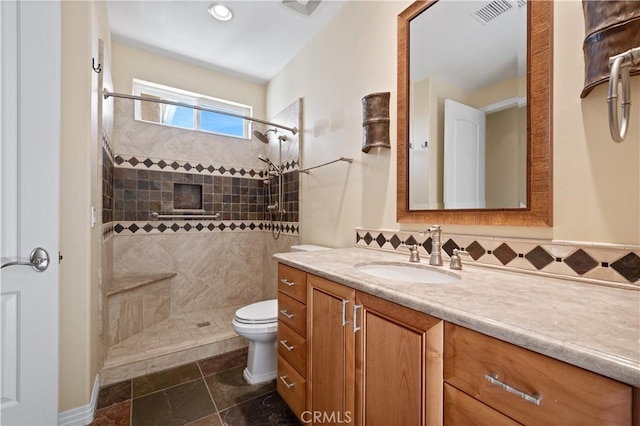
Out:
{"x": 303, "y": 7}
{"x": 494, "y": 9}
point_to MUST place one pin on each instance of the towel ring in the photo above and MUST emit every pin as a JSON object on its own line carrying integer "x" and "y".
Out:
{"x": 620, "y": 65}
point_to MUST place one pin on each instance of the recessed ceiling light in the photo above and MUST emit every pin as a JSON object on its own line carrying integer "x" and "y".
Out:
{"x": 220, "y": 12}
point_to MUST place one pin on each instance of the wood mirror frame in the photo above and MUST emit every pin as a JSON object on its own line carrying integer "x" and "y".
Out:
{"x": 539, "y": 210}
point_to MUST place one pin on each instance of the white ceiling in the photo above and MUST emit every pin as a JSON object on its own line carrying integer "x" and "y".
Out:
{"x": 261, "y": 38}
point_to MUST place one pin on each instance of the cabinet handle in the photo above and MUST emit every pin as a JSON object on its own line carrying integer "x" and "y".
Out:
{"x": 356, "y": 327}
{"x": 287, "y": 347}
{"x": 287, "y": 384}
{"x": 493, "y": 379}
{"x": 287, "y": 282}
{"x": 344, "y": 312}
{"x": 286, "y": 314}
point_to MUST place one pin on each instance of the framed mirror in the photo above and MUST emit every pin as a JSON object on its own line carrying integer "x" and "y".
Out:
{"x": 475, "y": 127}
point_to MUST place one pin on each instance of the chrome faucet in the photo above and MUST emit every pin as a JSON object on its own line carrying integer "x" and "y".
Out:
{"x": 436, "y": 244}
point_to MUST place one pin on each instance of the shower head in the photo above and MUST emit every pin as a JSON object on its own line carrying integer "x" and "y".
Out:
{"x": 262, "y": 137}
{"x": 269, "y": 162}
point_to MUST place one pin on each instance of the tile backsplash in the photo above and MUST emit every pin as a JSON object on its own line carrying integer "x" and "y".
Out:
{"x": 591, "y": 262}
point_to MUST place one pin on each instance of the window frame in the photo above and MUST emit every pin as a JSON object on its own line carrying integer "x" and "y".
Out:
{"x": 191, "y": 98}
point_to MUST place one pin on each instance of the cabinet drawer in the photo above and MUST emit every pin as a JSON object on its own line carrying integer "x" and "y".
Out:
{"x": 567, "y": 394}
{"x": 292, "y": 282}
{"x": 461, "y": 409}
{"x": 292, "y": 313}
{"x": 293, "y": 348}
{"x": 291, "y": 387}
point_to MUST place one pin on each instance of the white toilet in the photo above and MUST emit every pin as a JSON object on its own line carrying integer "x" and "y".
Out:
{"x": 258, "y": 323}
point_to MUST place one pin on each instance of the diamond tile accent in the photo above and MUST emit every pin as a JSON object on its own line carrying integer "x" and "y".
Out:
{"x": 539, "y": 257}
{"x": 133, "y": 161}
{"x": 187, "y": 227}
{"x": 221, "y": 226}
{"x": 381, "y": 240}
{"x": 199, "y": 227}
{"x": 199, "y": 167}
{"x": 368, "y": 238}
{"x": 449, "y": 246}
{"x": 118, "y": 160}
{"x": 175, "y": 227}
{"x": 628, "y": 266}
{"x": 395, "y": 241}
{"x": 148, "y": 162}
{"x": 232, "y": 226}
{"x": 232, "y": 171}
{"x": 211, "y": 169}
{"x": 580, "y": 262}
{"x": 118, "y": 228}
{"x": 504, "y": 253}
{"x": 427, "y": 245}
{"x": 134, "y": 228}
{"x": 411, "y": 241}
{"x": 148, "y": 227}
{"x": 222, "y": 170}
{"x": 162, "y": 227}
{"x": 187, "y": 167}
{"x": 243, "y": 226}
{"x": 211, "y": 227}
{"x": 175, "y": 166}
{"x": 162, "y": 164}
{"x": 475, "y": 250}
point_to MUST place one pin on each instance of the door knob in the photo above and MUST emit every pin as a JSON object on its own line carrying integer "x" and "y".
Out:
{"x": 39, "y": 260}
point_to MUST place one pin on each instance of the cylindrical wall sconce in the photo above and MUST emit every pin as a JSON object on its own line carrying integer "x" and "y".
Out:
{"x": 375, "y": 121}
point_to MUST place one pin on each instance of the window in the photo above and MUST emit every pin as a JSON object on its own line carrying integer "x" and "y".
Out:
{"x": 190, "y": 118}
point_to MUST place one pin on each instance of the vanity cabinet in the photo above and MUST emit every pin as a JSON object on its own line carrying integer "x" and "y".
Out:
{"x": 525, "y": 386}
{"x": 291, "y": 340}
{"x": 371, "y": 362}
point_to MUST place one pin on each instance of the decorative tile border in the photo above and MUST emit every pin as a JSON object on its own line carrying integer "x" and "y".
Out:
{"x": 589, "y": 262}
{"x": 198, "y": 226}
{"x": 106, "y": 144}
{"x": 194, "y": 167}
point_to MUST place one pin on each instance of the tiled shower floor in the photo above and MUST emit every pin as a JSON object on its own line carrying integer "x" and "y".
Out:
{"x": 210, "y": 392}
{"x": 177, "y": 340}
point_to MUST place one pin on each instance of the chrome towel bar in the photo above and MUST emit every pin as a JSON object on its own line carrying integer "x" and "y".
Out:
{"x": 156, "y": 216}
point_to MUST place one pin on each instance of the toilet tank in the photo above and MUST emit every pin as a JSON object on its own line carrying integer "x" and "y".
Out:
{"x": 308, "y": 247}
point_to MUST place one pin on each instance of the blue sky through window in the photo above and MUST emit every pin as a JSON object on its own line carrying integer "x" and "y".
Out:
{"x": 220, "y": 123}
{"x": 183, "y": 117}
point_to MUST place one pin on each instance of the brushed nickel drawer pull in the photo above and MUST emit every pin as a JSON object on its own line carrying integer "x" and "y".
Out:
{"x": 356, "y": 327}
{"x": 493, "y": 379}
{"x": 287, "y": 384}
{"x": 287, "y": 282}
{"x": 287, "y": 347}
{"x": 344, "y": 312}
{"x": 286, "y": 314}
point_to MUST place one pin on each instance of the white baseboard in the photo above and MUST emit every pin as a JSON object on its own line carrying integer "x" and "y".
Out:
{"x": 81, "y": 416}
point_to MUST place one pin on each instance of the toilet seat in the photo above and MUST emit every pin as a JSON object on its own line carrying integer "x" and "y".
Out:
{"x": 264, "y": 312}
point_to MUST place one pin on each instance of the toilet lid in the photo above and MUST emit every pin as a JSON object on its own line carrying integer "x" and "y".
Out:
{"x": 260, "y": 312}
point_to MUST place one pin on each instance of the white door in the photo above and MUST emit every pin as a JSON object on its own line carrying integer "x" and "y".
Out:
{"x": 30, "y": 129}
{"x": 464, "y": 152}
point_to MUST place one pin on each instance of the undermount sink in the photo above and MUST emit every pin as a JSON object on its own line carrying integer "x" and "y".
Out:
{"x": 407, "y": 273}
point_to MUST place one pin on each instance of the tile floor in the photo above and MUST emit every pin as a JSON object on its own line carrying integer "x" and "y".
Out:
{"x": 209, "y": 392}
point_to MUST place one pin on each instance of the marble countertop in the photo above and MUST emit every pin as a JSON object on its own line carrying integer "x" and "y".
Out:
{"x": 591, "y": 326}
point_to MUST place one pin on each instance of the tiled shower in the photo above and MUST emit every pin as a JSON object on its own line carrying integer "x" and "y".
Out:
{"x": 170, "y": 286}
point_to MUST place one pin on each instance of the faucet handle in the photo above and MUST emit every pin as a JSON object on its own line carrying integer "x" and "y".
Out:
{"x": 455, "y": 259}
{"x": 414, "y": 254}
{"x": 430, "y": 230}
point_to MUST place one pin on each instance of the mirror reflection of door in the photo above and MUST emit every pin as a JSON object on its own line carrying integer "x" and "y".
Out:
{"x": 464, "y": 156}
{"x": 472, "y": 52}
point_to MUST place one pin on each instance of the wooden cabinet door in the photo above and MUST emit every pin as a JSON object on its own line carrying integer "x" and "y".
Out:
{"x": 330, "y": 346}
{"x": 398, "y": 365}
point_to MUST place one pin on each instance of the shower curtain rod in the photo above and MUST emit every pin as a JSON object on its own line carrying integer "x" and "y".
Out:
{"x": 108, "y": 94}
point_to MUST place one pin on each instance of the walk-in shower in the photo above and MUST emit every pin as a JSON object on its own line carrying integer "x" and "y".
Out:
{"x": 275, "y": 207}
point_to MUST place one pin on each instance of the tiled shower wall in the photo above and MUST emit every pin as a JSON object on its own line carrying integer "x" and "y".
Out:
{"x": 219, "y": 262}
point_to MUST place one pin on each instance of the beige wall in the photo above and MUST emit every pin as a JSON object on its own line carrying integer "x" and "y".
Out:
{"x": 596, "y": 182}
{"x": 83, "y": 23}
{"x": 130, "y": 63}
